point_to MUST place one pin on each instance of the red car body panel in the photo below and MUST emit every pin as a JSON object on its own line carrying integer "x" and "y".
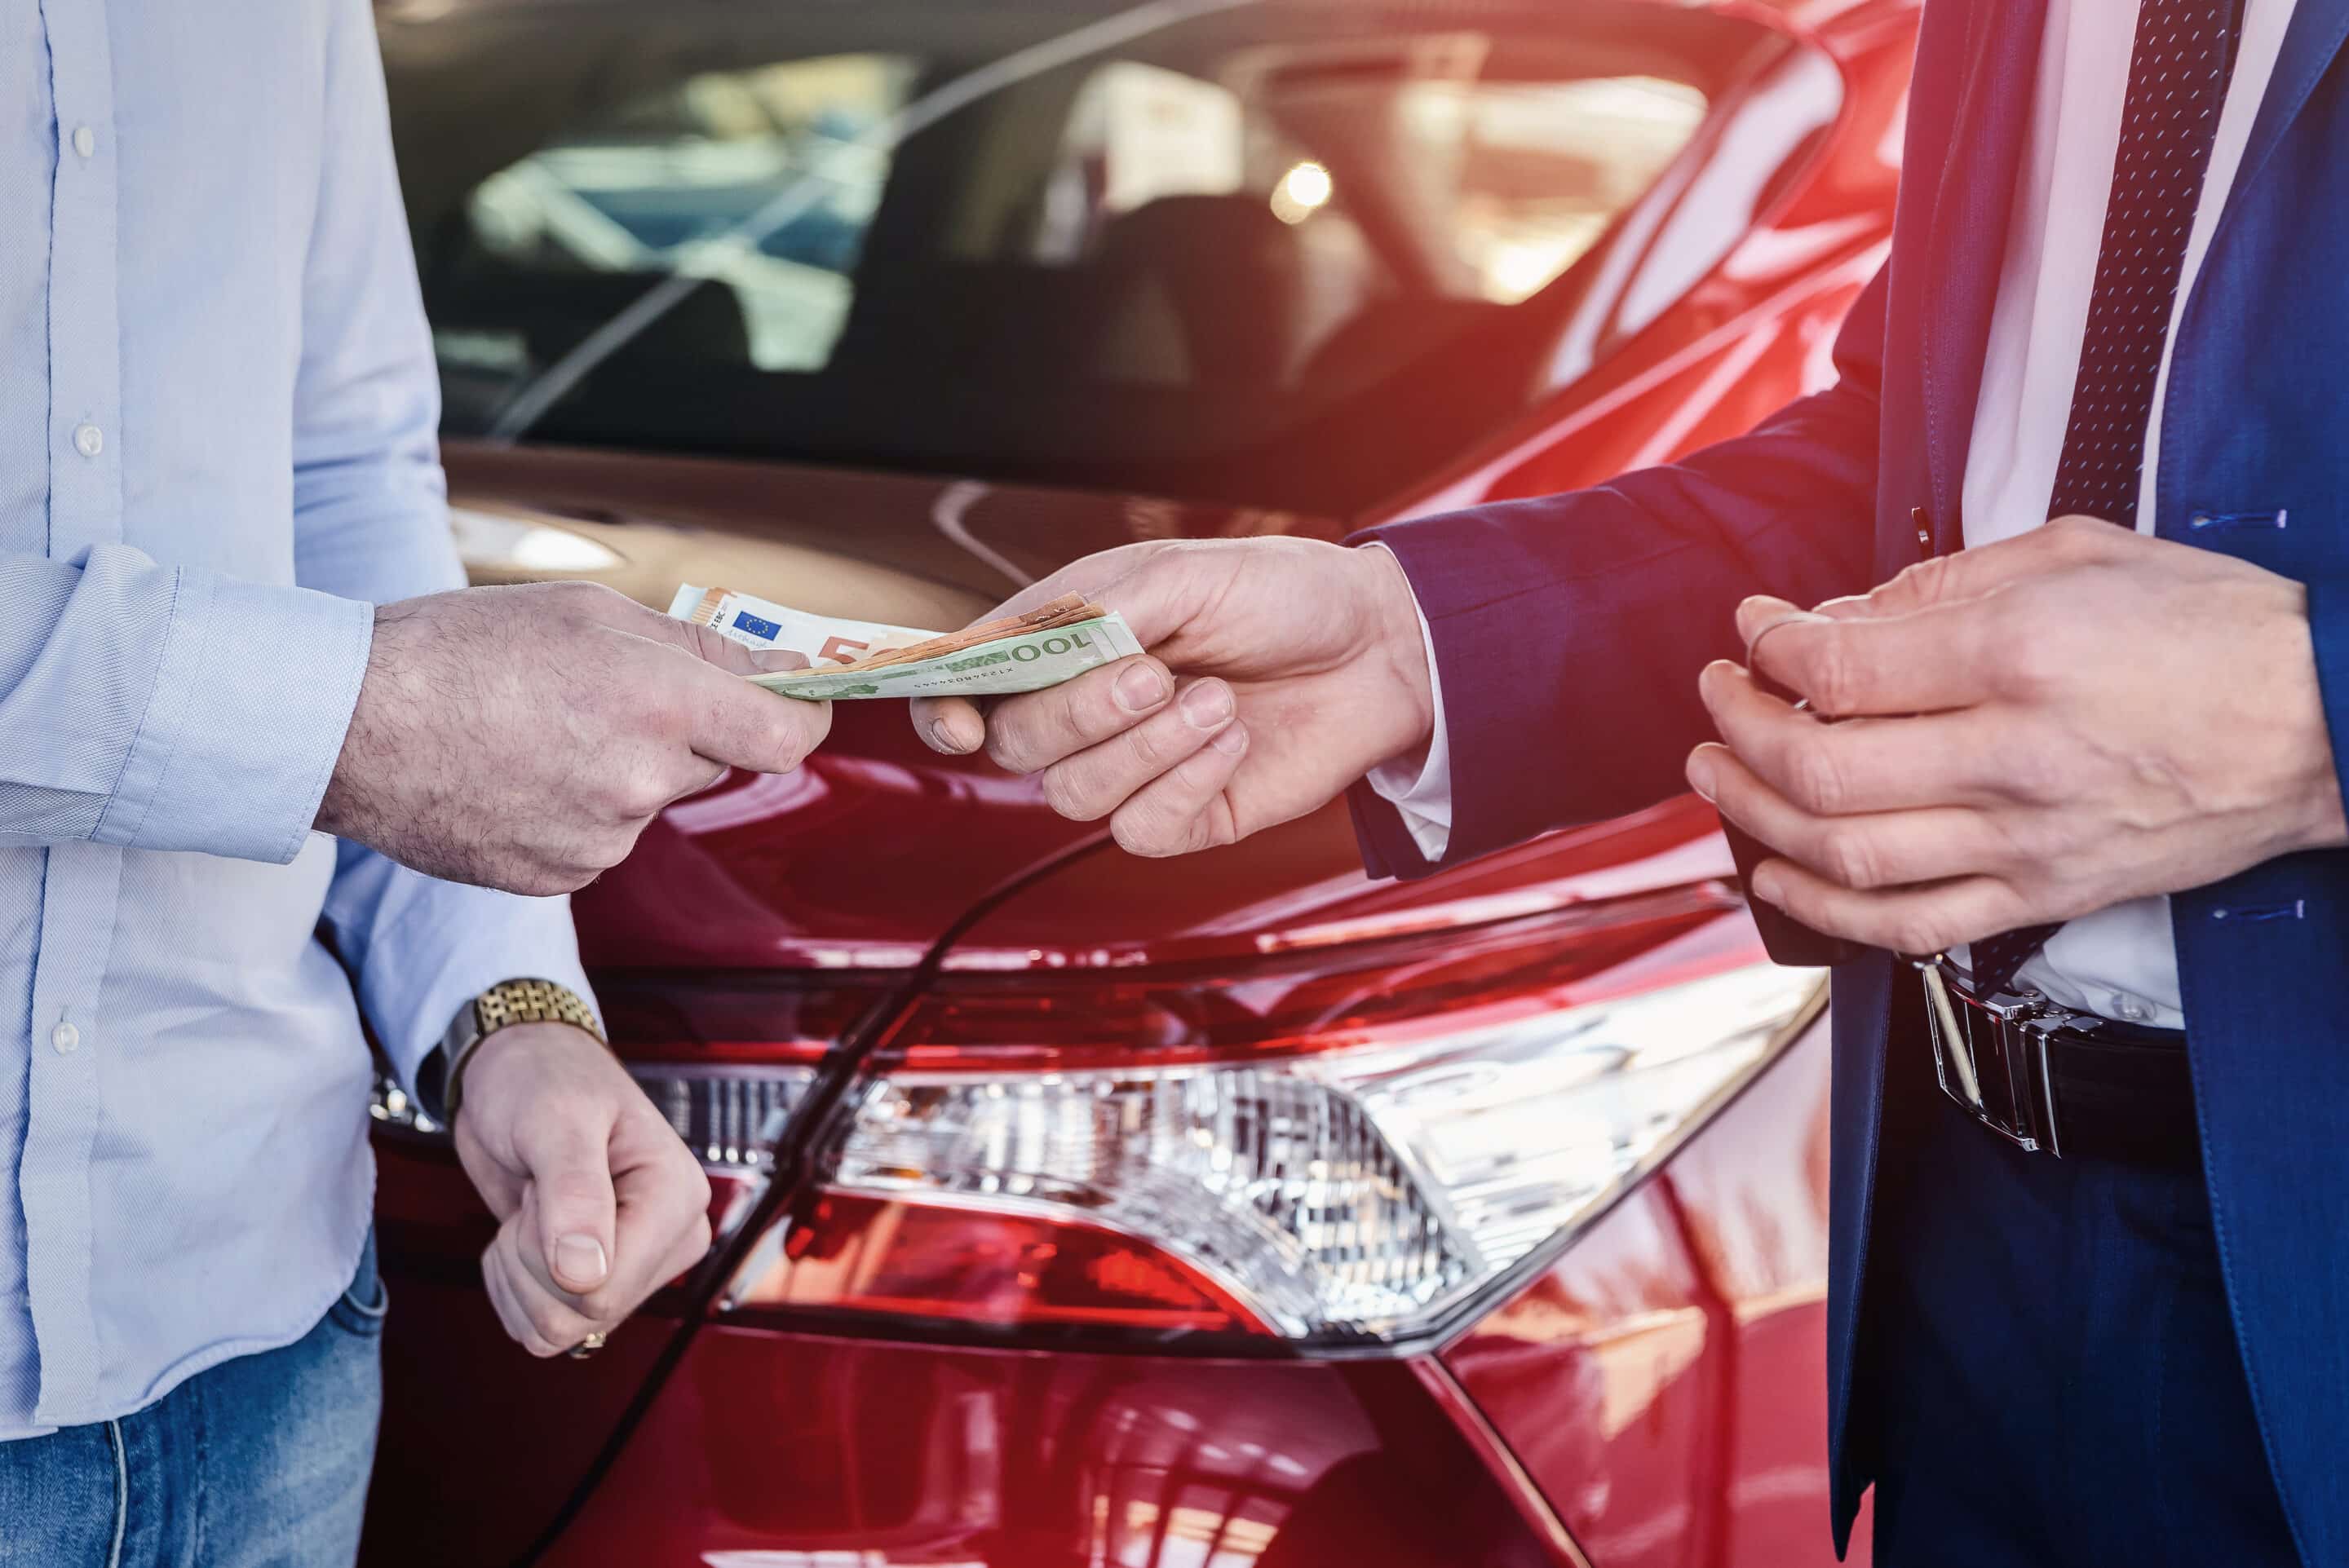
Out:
{"x": 943, "y": 1455}
{"x": 1655, "y": 1395}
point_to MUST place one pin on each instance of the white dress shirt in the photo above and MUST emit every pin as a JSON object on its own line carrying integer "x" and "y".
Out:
{"x": 2119, "y": 962}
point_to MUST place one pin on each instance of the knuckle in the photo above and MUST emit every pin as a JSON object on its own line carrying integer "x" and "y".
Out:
{"x": 1919, "y": 932}
{"x": 2036, "y": 774}
{"x": 2030, "y": 665}
{"x": 582, "y": 601}
{"x": 1008, "y": 743}
{"x": 1066, "y": 794}
{"x": 1834, "y": 682}
{"x": 708, "y": 645}
{"x": 554, "y": 1321}
{"x": 1926, "y": 582}
{"x": 640, "y": 797}
{"x": 1849, "y": 856}
{"x": 1143, "y": 833}
{"x": 611, "y": 848}
{"x": 2076, "y": 538}
{"x": 1148, "y": 744}
{"x": 1072, "y": 714}
{"x": 1814, "y": 779}
{"x": 691, "y": 1188}
{"x": 1201, "y": 772}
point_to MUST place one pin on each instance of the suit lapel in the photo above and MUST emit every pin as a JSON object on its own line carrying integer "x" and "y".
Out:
{"x": 1967, "y": 243}
{"x": 2310, "y": 42}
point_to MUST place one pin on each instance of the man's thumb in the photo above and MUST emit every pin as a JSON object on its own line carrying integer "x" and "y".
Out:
{"x": 573, "y": 1186}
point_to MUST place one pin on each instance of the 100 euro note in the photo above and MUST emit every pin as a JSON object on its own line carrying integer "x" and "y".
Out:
{"x": 1062, "y": 641}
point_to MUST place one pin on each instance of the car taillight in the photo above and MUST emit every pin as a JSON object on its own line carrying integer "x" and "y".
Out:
{"x": 1337, "y": 1146}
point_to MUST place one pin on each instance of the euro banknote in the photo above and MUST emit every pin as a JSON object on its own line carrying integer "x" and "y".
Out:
{"x": 762, "y": 624}
{"x": 1043, "y": 647}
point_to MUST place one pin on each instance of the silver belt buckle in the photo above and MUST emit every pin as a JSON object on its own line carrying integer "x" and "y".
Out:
{"x": 1991, "y": 1053}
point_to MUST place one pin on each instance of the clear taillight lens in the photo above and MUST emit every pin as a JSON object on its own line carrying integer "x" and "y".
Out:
{"x": 1362, "y": 1192}
{"x": 1362, "y": 1180}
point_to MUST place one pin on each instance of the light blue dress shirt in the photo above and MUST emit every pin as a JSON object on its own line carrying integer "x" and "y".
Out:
{"x": 217, "y": 407}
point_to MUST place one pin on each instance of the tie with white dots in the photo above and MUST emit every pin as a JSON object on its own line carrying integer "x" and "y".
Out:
{"x": 2177, "y": 82}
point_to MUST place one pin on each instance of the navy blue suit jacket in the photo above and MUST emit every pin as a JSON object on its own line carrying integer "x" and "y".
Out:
{"x": 1635, "y": 583}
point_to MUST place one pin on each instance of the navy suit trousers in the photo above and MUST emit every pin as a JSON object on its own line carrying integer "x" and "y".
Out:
{"x": 2058, "y": 1380}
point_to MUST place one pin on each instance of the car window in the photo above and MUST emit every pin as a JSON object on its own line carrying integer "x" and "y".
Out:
{"x": 1465, "y": 190}
{"x": 1170, "y": 266}
{"x": 656, "y": 185}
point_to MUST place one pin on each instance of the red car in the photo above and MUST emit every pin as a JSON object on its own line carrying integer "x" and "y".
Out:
{"x": 1075, "y": 1210}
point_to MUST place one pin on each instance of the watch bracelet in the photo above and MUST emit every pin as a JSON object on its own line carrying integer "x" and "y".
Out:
{"x": 505, "y": 1005}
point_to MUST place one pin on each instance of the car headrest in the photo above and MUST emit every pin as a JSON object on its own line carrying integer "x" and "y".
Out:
{"x": 1232, "y": 274}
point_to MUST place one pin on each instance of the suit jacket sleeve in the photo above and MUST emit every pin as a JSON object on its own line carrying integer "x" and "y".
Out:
{"x": 1569, "y": 631}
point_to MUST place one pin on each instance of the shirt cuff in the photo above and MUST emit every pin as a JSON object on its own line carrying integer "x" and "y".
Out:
{"x": 1422, "y": 796}
{"x": 448, "y": 946}
{"x": 252, "y": 698}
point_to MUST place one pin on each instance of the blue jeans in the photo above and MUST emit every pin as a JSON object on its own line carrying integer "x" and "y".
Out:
{"x": 260, "y": 1460}
{"x": 2058, "y": 1380}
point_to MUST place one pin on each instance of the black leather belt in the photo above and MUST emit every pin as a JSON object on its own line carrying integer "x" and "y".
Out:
{"x": 2051, "y": 1080}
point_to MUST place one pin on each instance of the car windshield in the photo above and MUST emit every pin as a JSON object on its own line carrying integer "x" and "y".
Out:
{"x": 1285, "y": 254}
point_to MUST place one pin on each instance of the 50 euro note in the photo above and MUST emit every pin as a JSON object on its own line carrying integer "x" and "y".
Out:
{"x": 1043, "y": 647}
{"x": 761, "y": 623}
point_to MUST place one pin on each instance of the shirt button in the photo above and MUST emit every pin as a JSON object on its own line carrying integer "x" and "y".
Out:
{"x": 2130, "y": 1009}
{"x": 89, "y": 440}
{"x": 85, "y": 141}
{"x": 66, "y": 1038}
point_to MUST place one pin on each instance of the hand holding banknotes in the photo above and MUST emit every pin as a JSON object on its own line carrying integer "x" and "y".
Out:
{"x": 1279, "y": 671}
{"x": 522, "y": 737}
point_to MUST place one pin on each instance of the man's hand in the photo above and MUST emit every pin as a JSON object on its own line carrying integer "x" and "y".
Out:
{"x": 522, "y": 737}
{"x": 1280, "y": 671}
{"x": 598, "y": 1203}
{"x": 2035, "y": 730}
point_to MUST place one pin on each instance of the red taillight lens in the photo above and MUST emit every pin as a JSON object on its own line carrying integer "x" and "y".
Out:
{"x": 1345, "y": 1143}
{"x": 862, "y": 1252}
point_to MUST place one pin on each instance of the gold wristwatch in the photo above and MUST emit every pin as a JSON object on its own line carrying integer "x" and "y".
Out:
{"x": 508, "y": 1002}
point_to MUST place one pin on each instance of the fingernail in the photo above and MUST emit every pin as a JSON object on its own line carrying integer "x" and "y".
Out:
{"x": 1701, "y": 773}
{"x": 1764, "y": 886}
{"x": 1232, "y": 739}
{"x": 1207, "y": 705}
{"x": 1140, "y": 688}
{"x": 943, "y": 738}
{"x": 580, "y": 1260}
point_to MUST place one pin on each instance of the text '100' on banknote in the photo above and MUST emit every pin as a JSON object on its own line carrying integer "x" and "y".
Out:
{"x": 860, "y": 659}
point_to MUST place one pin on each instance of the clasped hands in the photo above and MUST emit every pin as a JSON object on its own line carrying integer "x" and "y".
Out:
{"x": 2022, "y": 732}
